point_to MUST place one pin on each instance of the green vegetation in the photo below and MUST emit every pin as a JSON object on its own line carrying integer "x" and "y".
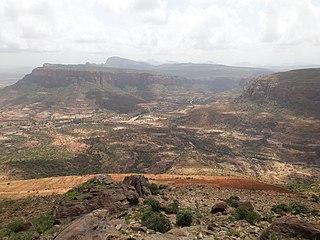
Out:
{"x": 153, "y": 188}
{"x": 16, "y": 226}
{"x": 184, "y": 218}
{"x": 280, "y": 208}
{"x": 19, "y": 229}
{"x": 44, "y": 223}
{"x": 156, "y": 221}
{"x": 315, "y": 198}
{"x": 153, "y": 203}
{"x": 173, "y": 207}
{"x": 293, "y": 208}
{"x": 243, "y": 213}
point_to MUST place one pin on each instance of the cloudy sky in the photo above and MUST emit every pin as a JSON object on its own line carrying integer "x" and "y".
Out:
{"x": 262, "y": 32}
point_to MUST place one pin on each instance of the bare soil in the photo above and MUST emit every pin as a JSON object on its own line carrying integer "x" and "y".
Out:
{"x": 60, "y": 185}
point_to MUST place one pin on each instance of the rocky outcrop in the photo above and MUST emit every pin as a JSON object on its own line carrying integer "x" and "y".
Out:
{"x": 53, "y": 76}
{"x": 90, "y": 226}
{"x": 297, "y": 89}
{"x": 97, "y": 193}
{"x": 139, "y": 182}
{"x": 291, "y": 227}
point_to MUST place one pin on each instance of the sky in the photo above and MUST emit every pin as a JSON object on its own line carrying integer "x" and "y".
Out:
{"x": 252, "y": 32}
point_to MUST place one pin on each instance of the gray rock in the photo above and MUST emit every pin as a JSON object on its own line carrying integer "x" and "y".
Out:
{"x": 90, "y": 226}
{"x": 219, "y": 207}
{"x": 291, "y": 227}
{"x": 140, "y": 183}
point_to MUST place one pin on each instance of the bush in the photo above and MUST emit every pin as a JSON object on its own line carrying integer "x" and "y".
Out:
{"x": 173, "y": 207}
{"x": 315, "y": 198}
{"x": 243, "y": 213}
{"x": 153, "y": 203}
{"x": 16, "y": 226}
{"x": 44, "y": 223}
{"x": 294, "y": 208}
{"x": 153, "y": 188}
{"x": 184, "y": 218}
{"x": 156, "y": 221}
{"x": 297, "y": 208}
{"x": 280, "y": 208}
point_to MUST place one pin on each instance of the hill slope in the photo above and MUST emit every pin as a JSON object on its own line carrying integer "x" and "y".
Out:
{"x": 273, "y": 126}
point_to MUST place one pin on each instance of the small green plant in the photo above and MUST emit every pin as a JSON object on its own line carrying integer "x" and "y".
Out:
{"x": 154, "y": 189}
{"x": 173, "y": 207}
{"x": 315, "y": 198}
{"x": 280, "y": 208}
{"x": 294, "y": 208}
{"x": 184, "y": 218}
{"x": 273, "y": 236}
{"x": 243, "y": 213}
{"x": 298, "y": 208}
{"x": 153, "y": 203}
{"x": 71, "y": 194}
{"x": 44, "y": 223}
{"x": 156, "y": 221}
{"x": 16, "y": 226}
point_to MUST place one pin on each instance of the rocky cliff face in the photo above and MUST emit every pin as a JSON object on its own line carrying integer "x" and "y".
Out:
{"x": 298, "y": 89}
{"x": 52, "y": 77}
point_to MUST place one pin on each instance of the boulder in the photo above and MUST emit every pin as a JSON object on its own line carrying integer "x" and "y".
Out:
{"x": 219, "y": 207}
{"x": 233, "y": 201}
{"x": 246, "y": 204}
{"x": 291, "y": 227}
{"x": 90, "y": 226}
{"x": 140, "y": 183}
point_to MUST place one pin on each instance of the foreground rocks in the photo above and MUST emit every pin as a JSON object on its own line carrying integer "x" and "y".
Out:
{"x": 139, "y": 182}
{"x": 290, "y": 227}
{"x": 90, "y": 226}
{"x": 99, "y": 193}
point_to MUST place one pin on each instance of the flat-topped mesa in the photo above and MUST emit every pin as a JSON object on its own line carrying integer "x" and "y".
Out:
{"x": 53, "y": 76}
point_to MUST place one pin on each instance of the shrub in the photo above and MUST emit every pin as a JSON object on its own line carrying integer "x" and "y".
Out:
{"x": 44, "y": 223}
{"x": 153, "y": 203}
{"x": 184, "y": 218}
{"x": 243, "y": 213}
{"x": 297, "y": 208}
{"x": 294, "y": 208}
{"x": 155, "y": 221}
{"x": 173, "y": 207}
{"x": 153, "y": 188}
{"x": 16, "y": 226}
{"x": 315, "y": 198}
{"x": 280, "y": 208}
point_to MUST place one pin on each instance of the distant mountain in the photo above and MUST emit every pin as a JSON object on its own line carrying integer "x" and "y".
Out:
{"x": 206, "y": 71}
{"x": 118, "y": 62}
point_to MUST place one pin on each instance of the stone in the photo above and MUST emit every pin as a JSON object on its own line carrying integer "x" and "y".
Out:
{"x": 90, "y": 226}
{"x": 291, "y": 227}
{"x": 219, "y": 207}
{"x": 140, "y": 183}
{"x": 246, "y": 204}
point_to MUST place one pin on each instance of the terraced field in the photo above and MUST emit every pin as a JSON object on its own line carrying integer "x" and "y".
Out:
{"x": 60, "y": 185}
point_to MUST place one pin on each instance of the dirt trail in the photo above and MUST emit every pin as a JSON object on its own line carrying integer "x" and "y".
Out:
{"x": 59, "y": 185}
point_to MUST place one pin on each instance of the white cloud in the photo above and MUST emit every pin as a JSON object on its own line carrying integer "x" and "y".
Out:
{"x": 187, "y": 30}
